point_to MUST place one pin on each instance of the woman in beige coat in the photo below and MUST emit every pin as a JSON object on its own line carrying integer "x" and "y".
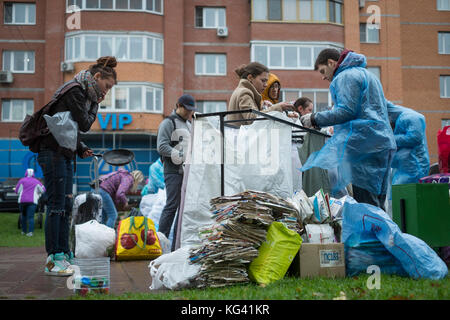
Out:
{"x": 247, "y": 95}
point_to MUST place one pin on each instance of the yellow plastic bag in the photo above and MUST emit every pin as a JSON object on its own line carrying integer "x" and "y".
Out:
{"x": 275, "y": 254}
{"x": 137, "y": 239}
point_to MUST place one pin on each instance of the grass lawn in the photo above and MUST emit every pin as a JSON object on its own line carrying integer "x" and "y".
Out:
{"x": 291, "y": 288}
{"x": 10, "y": 234}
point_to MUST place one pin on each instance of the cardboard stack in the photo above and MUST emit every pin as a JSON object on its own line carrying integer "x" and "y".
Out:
{"x": 232, "y": 241}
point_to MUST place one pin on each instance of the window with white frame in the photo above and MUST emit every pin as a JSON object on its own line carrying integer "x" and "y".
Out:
{"x": 321, "y": 98}
{"x": 125, "y": 47}
{"x": 133, "y": 98}
{"x": 444, "y": 42}
{"x": 211, "y": 106}
{"x": 19, "y": 13}
{"x": 209, "y": 17}
{"x": 443, "y": 5}
{"x": 369, "y": 33}
{"x": 18, "y": 61}
{"x": 210, "y": 64}
{"x": 444, "y": 84}
{"x": 376, "y": 71}
{"x": 15, "y": 110}
{"x": 298, "y": 10}
{"x": 153, "y": 6}
{"x": 444, "y": 123}
{"x": 295, "y": 56}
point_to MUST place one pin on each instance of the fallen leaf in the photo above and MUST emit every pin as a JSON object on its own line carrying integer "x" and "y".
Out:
{"x": 342, "y": 296}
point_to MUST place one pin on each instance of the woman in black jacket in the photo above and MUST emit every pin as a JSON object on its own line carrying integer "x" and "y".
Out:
{"x": 89, "y": 89}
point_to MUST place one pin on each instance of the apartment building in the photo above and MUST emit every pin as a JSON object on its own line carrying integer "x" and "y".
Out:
{"x": 167, "y": 48}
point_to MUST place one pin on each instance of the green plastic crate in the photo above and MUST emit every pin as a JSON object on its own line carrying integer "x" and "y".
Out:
{"x": 426, "y": 212}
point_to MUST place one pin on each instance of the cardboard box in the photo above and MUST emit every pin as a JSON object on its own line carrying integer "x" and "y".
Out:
{"x": 319, "y": 260}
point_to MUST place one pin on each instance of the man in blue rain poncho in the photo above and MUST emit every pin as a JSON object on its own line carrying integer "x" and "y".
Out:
{"x": 363, "y": 143}
{"x": 411, "y": 161}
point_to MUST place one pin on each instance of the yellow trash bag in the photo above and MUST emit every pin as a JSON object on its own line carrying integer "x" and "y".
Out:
{"x": 275, "y": 254}
{"x": 137, "y": 239}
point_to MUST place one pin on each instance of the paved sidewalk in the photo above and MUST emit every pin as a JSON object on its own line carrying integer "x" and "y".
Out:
{"x": 22, "y": 276}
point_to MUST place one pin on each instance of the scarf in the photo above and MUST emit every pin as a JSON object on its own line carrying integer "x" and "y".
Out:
{"x": 88, "y": 83}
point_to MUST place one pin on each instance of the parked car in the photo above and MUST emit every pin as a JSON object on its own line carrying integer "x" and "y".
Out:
{"x": 8, "y": 198}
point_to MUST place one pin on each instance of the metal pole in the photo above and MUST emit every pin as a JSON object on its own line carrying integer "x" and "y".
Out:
{"x": 222, "y": 155}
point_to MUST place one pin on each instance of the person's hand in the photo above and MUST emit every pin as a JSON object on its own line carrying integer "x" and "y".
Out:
{"x": 292, "y": 114}
{"x": 266, "y": 105}
{"x": 286, "y": 106}
{"x": 306, "y": 120}
{"x": 87, "y": 153}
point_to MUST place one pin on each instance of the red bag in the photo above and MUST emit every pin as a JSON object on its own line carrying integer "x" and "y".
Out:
{"x": 443, "y": 138}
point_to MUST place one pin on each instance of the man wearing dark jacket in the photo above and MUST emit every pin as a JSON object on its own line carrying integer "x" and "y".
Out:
{"x": 173, "y": 137}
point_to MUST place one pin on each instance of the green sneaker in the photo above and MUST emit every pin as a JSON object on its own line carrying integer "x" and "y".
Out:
{"x": 69, "y": 257}
{"x": 57, "y": 266}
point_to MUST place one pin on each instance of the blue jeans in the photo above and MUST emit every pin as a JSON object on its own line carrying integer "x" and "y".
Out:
{"x": 58, "y": 179}
{"x": 109, "y": 211}
{"x": 27, "y": 210}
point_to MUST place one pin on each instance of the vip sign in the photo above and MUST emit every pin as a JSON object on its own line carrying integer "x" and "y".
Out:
{"x": 118, "y": 121}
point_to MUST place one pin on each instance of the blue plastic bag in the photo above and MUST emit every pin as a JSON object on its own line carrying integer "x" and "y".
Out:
{"x": 363, "y": 250}
{"x": 155, "y": 178}
{"x": 415, "y": 256}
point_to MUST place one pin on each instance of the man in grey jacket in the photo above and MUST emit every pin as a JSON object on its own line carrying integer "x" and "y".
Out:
{"x": 172, "y": 144}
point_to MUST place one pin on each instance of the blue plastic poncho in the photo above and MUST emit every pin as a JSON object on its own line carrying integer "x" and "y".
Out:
{"x": 155, "y": 178}
{"x": 411, "y": 161}
{"x": 363, "y": 144}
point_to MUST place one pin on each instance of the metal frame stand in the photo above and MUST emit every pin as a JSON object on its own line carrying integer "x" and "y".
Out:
{"x": 264, "y": 116}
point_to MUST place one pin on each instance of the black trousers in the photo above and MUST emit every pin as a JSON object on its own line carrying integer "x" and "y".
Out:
{"x": 173, "y": 183}
{"x": 364, "y": 196}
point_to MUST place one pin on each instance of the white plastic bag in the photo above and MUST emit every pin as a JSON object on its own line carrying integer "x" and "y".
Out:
{"x": 320, "y": 233}
{"x": 64, "y": 129}
{"x": 93, "y": 239}
{"x": 304, "y": 205}
{"x": 165, "y": 243}
{"x": 173, "y": 270}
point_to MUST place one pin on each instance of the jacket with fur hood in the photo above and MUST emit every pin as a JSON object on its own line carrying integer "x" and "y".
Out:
{"x": 246, "y": 97}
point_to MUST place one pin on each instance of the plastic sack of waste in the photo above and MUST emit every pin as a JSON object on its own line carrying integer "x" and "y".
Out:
{"x": 415, "y": 256}
{"x": 303, "y": 205}
{"x": 275, "y": 254}
{"x": 63, "y": 128}
{"x": 173, "y": 270}
{"x": 152, "y": 206}
{"x": 93, "y": 239}
{"x": 363, "y": 250}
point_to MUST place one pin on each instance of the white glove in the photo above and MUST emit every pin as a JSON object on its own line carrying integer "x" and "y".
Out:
{"x": 306, "y": 120}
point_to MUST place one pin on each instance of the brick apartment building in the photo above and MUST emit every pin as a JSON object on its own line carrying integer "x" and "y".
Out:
{"x": 167, "y": 48}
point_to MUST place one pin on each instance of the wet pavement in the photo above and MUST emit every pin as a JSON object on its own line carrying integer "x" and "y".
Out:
{"x": 22, "y": 276}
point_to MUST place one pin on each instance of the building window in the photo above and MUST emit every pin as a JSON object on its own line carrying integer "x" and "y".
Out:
{"x": 206, "y": 17}
{"x": 211, "y": 106}
{"x": 321, "y": 98}
{"x": 444, "y": 84}
{"x": 133, "y": 98}
{"x": 444, "y": 123}
{"x": 125, "y": 47}
{"x": 287, "y": 56}
{"x": 376, "y": 71}
{"x": 443, "y": 5}
{"x": 15, "y": 110}
{"x": 153, "y": 6}
{"x": 444, "y": 42}
{"x": 369, "y": 33}
{"x": 19, "y": 13}
{"x": 210, "y": 64}
{"x": 18, "y": 61}
{"x": 298, "y": 10}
